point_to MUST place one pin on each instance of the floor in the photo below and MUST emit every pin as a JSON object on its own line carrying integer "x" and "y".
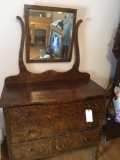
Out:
{"x": 35, "y": 51}
{"x": 109, "y": 150}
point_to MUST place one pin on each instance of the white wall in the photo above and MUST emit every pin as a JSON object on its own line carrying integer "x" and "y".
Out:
{"x": 100, "y": 20}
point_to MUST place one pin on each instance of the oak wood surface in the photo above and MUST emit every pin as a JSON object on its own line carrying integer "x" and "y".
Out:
{"x": 49, "y": 76}
{"x": 54, "y": 145}
{"x": 39, "y": 121}
{"x": 71, "y": 117}
{"x": 59, "y": 94}
{"x": 37, "y": 93}
{"x": 109, "y": 150}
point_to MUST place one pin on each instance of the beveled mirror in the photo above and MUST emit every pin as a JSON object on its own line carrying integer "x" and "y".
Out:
{"x": 49, "y": 33}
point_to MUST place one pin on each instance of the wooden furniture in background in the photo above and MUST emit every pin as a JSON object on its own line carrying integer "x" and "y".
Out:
{"x": 45, "y": 113}
{"x": 41, "y": 23}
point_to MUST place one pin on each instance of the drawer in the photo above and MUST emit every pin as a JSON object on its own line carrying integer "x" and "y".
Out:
{"x": 49, "y": 146}
{"x": 49, "y": 120}
{"x": 35, "y": 129}
{"x": 47, "y": 113}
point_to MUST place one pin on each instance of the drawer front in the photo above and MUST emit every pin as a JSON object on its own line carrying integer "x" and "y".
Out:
{"x": 34, "y": 130}
{"x": 49, "y": 146}
{"x": 48, "y": 120}
{"x": 48, "y": 113}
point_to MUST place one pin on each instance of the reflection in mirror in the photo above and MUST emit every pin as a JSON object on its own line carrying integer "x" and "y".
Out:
{"x": 49, "y": 33}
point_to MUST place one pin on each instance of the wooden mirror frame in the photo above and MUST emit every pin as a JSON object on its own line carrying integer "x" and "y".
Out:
{"x": 47, "y": 9}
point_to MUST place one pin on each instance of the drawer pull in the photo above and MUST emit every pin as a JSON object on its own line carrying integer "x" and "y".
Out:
{"x": 26, "y": 114}
{"x": 30, "y": 150}
{"x": 28, "y": 132}
{"x": 86, "y": 140}
{"x": 89, "y": 106}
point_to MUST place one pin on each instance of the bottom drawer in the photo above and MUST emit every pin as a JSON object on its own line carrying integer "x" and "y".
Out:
{"x": 49, "y": 146}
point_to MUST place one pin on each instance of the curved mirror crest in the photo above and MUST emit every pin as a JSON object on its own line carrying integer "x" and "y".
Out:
{"x": 49, "y": 33}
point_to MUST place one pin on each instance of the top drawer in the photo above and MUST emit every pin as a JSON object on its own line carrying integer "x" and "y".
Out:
{"x": 50, "y": 112}
{"x": 71, "y": 112}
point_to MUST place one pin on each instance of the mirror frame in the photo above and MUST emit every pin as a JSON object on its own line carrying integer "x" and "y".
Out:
{"x": 46, "y": 8}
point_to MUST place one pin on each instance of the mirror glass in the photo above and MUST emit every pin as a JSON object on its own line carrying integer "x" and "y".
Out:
{"x": 49, "y": 33}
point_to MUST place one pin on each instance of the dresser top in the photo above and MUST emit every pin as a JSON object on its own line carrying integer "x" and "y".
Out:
{"x": 49, "y": 93}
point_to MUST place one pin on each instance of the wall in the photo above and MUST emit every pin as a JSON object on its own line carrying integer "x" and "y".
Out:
{"x": 100, "y": 20}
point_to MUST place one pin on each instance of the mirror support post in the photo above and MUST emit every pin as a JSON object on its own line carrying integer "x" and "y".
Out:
{"x": 21, "y": 63}
{"x": 77, "y": 50}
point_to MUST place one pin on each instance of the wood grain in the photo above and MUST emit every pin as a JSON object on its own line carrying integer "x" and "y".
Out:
{"x": 35, "y": 122}
{"x": 54, "y": 145}
{"x": 49, "y": 93}
{"x": 45, "y": 113}
{"x": 108, "y": 151}
{"x": 25, "y": 76}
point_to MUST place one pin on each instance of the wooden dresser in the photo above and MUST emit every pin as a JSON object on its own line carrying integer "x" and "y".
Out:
{"x": 45, "y": 114}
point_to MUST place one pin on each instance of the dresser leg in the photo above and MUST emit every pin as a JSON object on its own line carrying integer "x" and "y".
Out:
{"x": 96, "y": 152}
